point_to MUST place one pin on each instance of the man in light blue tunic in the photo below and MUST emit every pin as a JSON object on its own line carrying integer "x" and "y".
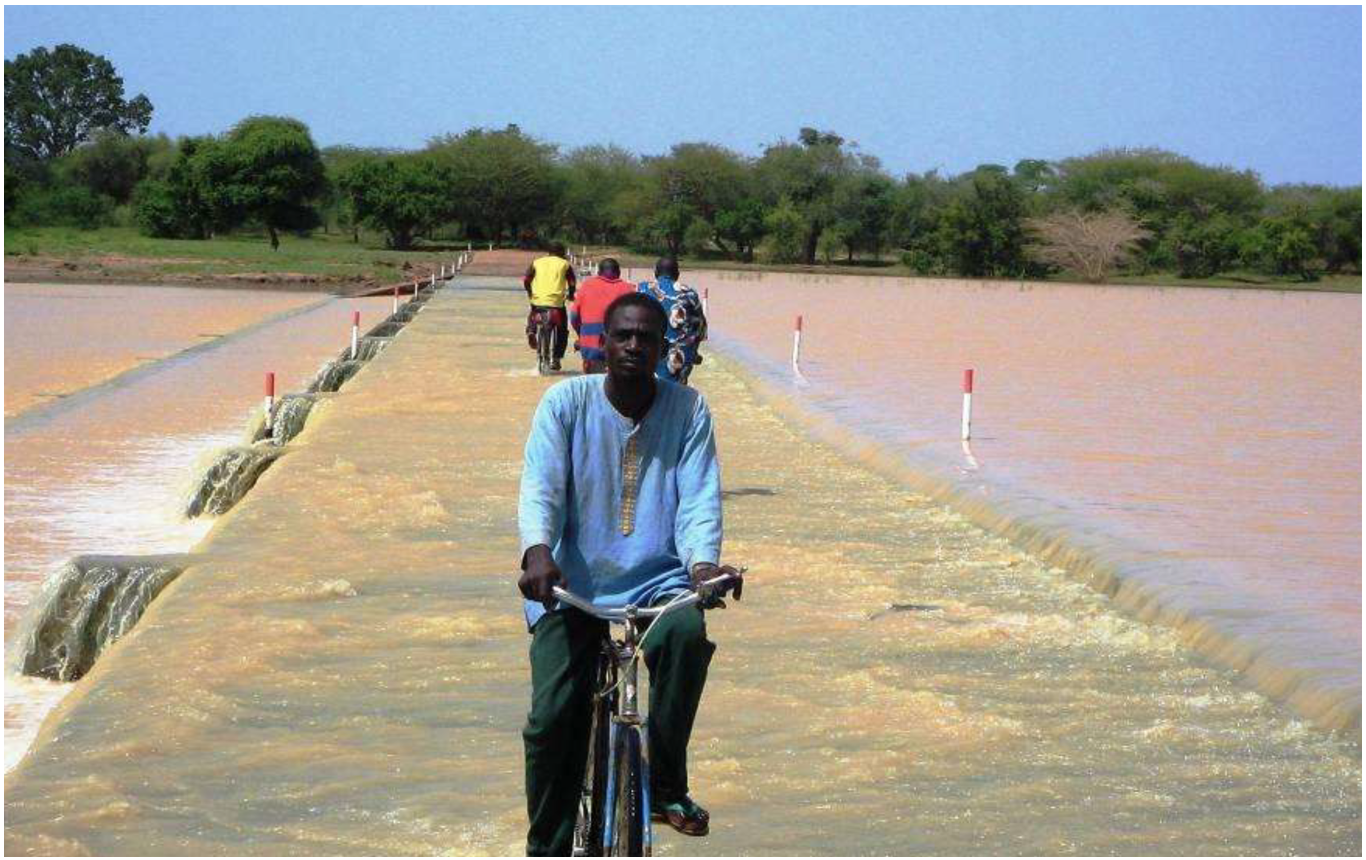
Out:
{"x": 621, "y": 504}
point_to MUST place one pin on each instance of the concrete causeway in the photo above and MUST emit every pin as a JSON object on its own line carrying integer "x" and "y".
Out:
{"x": 342, "y": 670}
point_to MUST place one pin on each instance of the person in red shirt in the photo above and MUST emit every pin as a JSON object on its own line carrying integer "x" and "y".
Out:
{"x": 585, "y": 314}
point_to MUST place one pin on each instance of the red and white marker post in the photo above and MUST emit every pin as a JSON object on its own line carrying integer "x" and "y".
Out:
{"x": 797, "y": 344}
{"x": 270, "y": 396}
{"x": 355, "y": 334}
{"x": 967, "y": 404}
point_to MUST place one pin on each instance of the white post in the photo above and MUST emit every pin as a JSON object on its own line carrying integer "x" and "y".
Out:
{"x": 395, "y": 298}
{"x": 797, "y": 344}
{"x": 705, "y": 291}
{"x": 270, "y": 396}
{"x": 416, "y": 287}
{"x": 469, "y": 246}
{"x": 490, "y": 246}
{"x": 433, "y": 279}
{"x": 355, "y": 334}
{"x": 967, "y": 404}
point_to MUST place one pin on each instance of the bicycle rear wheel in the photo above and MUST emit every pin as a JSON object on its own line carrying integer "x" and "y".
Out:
{"x": 630, "y": 822}
{"x": 545, "y": 344}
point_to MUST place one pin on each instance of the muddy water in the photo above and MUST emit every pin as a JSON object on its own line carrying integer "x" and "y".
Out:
{"x": 100, "y": 331}
{"x": 109, "y": 469}
{"x": 1202, "y": 445}
{"x": 344, "y": 670}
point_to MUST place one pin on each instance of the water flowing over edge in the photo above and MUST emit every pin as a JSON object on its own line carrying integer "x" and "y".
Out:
{"x": 1093, "y": 562}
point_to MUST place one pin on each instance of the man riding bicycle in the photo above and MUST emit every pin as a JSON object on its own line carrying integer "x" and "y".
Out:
{"x": 586, "y": 314}
{"x": 549, "y": 282}
{"x": 620, "y": 504}
{"x": 687, "y": 323}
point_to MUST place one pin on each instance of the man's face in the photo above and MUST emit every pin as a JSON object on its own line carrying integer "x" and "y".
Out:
{"x": 633, "y": 343}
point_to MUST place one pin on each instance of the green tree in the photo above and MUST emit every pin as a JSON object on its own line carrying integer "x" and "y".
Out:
{"x": 807, "y": 173}
{"x": 504, "y": 180}
{"x": 401, "y": 196}
{"x": 190, "y": 201}
{"x": 981, "y": 231}
{"x": 55, "y": 100}
{"x": 915, "y": 207}
{"x": 113, "y": 164}
{"x": 1202, "y": 247}
{"x": 336, "y": 206}
{"x": 1282, "y": 245}
{"x": 787, "y": 231}
{"x": 276, "y": 176}
{"x": 598, "y": 183}
{"x": 863, "y": 204}
{"x": 743, "y": 226}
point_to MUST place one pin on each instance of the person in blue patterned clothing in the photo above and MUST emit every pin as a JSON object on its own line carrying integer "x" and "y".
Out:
{"x": 687, "y": 324}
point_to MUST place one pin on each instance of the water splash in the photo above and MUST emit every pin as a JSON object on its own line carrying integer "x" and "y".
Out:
{"x": 85, "y": 607}
{"x": 369, "y": 347}
{"x": 290, "y": 414}
{"x": 333, "y": 376}
{"x": 230, "y": 477}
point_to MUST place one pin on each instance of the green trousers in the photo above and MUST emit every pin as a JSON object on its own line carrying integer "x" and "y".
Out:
{"x": 564, "y": 649}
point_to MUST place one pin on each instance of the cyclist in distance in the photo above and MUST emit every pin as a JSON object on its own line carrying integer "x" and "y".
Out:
{"x": 549, "y": 283}
{"x": 590, "y": 304}
{"x": 620, "y": 504}
{"x": 687, "y": 324}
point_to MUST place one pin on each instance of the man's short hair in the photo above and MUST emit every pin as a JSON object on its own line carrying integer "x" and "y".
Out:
{"x": 638, "y": 300}
{"x": 610, "y": 267}
{"x": 667, "y": 266}
{"x": 558, "y": 249}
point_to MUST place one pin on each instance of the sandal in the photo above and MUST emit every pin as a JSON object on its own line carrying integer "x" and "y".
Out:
{"x": 682, "y": 815}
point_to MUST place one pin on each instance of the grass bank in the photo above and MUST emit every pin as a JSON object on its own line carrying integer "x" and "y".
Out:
{"x": 328, "y": 262}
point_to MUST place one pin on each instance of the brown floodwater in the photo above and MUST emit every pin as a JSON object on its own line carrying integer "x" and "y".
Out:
{"x": 1200, "y": 447}
{"x": 61, "y": 338}
{"x": 108, "y": 468}
{"x": 343, "y": 669}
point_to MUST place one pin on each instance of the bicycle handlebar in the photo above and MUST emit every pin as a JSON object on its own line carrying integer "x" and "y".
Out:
{"x": 619, "y": 613}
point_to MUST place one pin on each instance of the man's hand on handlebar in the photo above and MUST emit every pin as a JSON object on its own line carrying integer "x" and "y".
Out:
{"x": 540, "y": 575}
{"x": 712, "y": 594}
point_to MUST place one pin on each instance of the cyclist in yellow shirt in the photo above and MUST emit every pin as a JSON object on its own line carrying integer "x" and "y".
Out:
{"x": 549, "y": 283}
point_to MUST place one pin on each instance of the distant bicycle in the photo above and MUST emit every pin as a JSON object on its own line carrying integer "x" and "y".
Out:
{"x": 545, "y": 328}
{"x": 614, "y": 813}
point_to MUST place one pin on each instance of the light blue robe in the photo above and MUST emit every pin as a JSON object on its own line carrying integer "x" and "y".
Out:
{"x": 626, "y": 509}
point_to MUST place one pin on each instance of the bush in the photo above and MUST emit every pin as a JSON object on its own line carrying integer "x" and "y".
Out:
{"x": 697, "y": 236}
{"x": 70, "y": 206}
{"x": 155, "y": 210}
{"x": 786, "y": 230}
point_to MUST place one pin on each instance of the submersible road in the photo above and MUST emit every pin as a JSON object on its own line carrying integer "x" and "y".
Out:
{"x": 343, "y": 669}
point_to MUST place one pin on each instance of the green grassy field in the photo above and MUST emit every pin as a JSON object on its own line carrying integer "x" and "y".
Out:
{"x": 124, "y": 253}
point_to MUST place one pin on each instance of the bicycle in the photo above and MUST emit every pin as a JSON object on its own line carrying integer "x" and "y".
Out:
{"x": 546, "y": 334}
{"x": 614, "y": 812}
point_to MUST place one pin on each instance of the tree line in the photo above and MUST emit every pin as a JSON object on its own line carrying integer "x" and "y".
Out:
{"x": 814, "y": 199}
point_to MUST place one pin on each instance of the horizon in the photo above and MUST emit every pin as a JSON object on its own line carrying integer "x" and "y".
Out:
{"x": 1279, "y": 95}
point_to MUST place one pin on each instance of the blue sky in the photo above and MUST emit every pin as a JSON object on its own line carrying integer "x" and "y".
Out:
{"x": 1275, "y": 89}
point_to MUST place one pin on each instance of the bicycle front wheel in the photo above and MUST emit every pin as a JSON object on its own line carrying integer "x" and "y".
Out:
{"x": 630, "y": 817}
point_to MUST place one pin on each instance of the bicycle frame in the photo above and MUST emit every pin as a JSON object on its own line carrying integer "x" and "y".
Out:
{"x": 621, "y": 690}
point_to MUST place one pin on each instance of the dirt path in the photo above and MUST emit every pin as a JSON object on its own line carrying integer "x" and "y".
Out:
{"x": 344, "y": 671}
